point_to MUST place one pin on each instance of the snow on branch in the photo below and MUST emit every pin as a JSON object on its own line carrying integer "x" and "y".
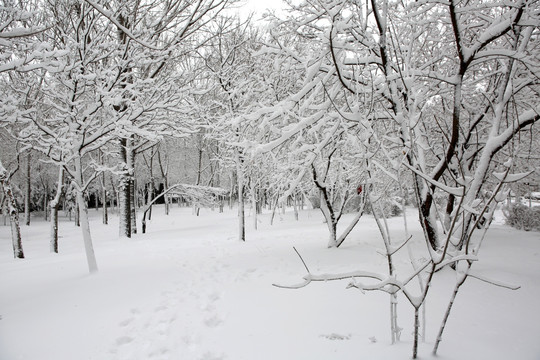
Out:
{"x": 20, "y": 32}
{"x": 455, "y": 259}
{"x": 125, "y": 30}
{"x": 332, "y": 277}
{"x": 508, "y": 178}
{"x": 493, "y": 282}
{"x": 456, "y": 191}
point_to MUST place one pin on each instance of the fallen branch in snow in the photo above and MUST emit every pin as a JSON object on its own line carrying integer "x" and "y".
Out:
{"x": 332, "y": 277}
{"x": 300, "y": 256}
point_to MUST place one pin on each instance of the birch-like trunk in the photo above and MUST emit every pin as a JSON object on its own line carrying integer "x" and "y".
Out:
{"x": 133, "y": 208}
{"x": 83, "y": 215}
{"x": 415, "y": 334}
{"x": 13, "y": 214}
{"x": 124, "y": 198}
{"x": 55, "y": 204}
{"x": 124, "y": 207}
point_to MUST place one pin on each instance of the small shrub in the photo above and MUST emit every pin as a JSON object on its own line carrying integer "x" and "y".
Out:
{"x": 522, "y": 217}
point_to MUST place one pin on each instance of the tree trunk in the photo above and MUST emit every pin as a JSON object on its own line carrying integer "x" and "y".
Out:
{"x": 196, "y": 208}
{"x": 254, "y": 205}
{"x": 167, "y": 198}
{"x": 150, "y": 196}
{"x": 330, "y": 220}
{"x": 124, "y": 197}
{"x": 83, "y": 214}
{"x": 231, "y": 193}
{"x": 133, "y": 196}
{"x": 295, "y": 207}
{"x": 240, "y": 183}
{"x": 116, "y": 200}
{"x": 77, "y": 212}
{"x": 13, "y": 214}
{"x": 165, "y": 175}
{"x": 55, "y": 203}
{"x": 27, "y": 190}
{"x": 449, "y": 210}
{"x": 104, "y": 200}
{"x": 4, "y": 207}
{"x": 274, "y": 210}
{"x": 46, "y": 205}
{"x": 416, "y": 328}
{"x": 448, "y": 310}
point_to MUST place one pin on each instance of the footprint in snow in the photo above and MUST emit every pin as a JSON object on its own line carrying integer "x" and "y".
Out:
{"x": 159, "y": 353}
{"x": 213, "y": 321}
{"x": 335, "y": 336}
{"x": 211, "y": 356}
{"x": 126, "y": 322}
{"x": 123, "y": 340}
{"x": 161, "y": 308}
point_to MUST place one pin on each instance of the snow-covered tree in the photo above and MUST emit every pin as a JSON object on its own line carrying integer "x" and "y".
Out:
{"x": 22, "y": 50}
{"x": 231, "y": 67}
{"x": 13, "y": 212}
{"x": 449, "y": 85}
{"x": 151, "y": 37}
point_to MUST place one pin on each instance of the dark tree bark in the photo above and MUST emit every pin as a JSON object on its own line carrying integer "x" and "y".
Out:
{"x": 27, "y": 190}
{"x": 55, "y": 204}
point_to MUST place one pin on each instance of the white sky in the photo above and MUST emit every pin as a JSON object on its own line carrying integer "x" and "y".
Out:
{"x": 259, "y": 6}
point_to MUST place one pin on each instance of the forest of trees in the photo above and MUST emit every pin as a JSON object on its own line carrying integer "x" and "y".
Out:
{"x": 355, "y": 105}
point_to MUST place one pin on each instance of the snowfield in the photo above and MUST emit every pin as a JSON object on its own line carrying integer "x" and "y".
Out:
{"x": 188, "y": 289}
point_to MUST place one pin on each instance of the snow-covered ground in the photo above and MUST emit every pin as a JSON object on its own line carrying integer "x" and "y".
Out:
{"x": 188, "y": 289}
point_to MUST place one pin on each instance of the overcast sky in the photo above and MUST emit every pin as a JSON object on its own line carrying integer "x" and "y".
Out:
{"x": 258, "y": 6}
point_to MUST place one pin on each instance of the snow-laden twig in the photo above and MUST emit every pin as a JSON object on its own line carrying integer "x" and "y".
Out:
{"x": 116, "y": 23}
{"x": 493, "y": 282}
{"x": 455, "y": 259}
{"x": 456, "y": 191}
{"x": 395, "y": 248}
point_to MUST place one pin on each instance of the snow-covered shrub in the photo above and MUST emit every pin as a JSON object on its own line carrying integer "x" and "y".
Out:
{"x": 522, "y": 217}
